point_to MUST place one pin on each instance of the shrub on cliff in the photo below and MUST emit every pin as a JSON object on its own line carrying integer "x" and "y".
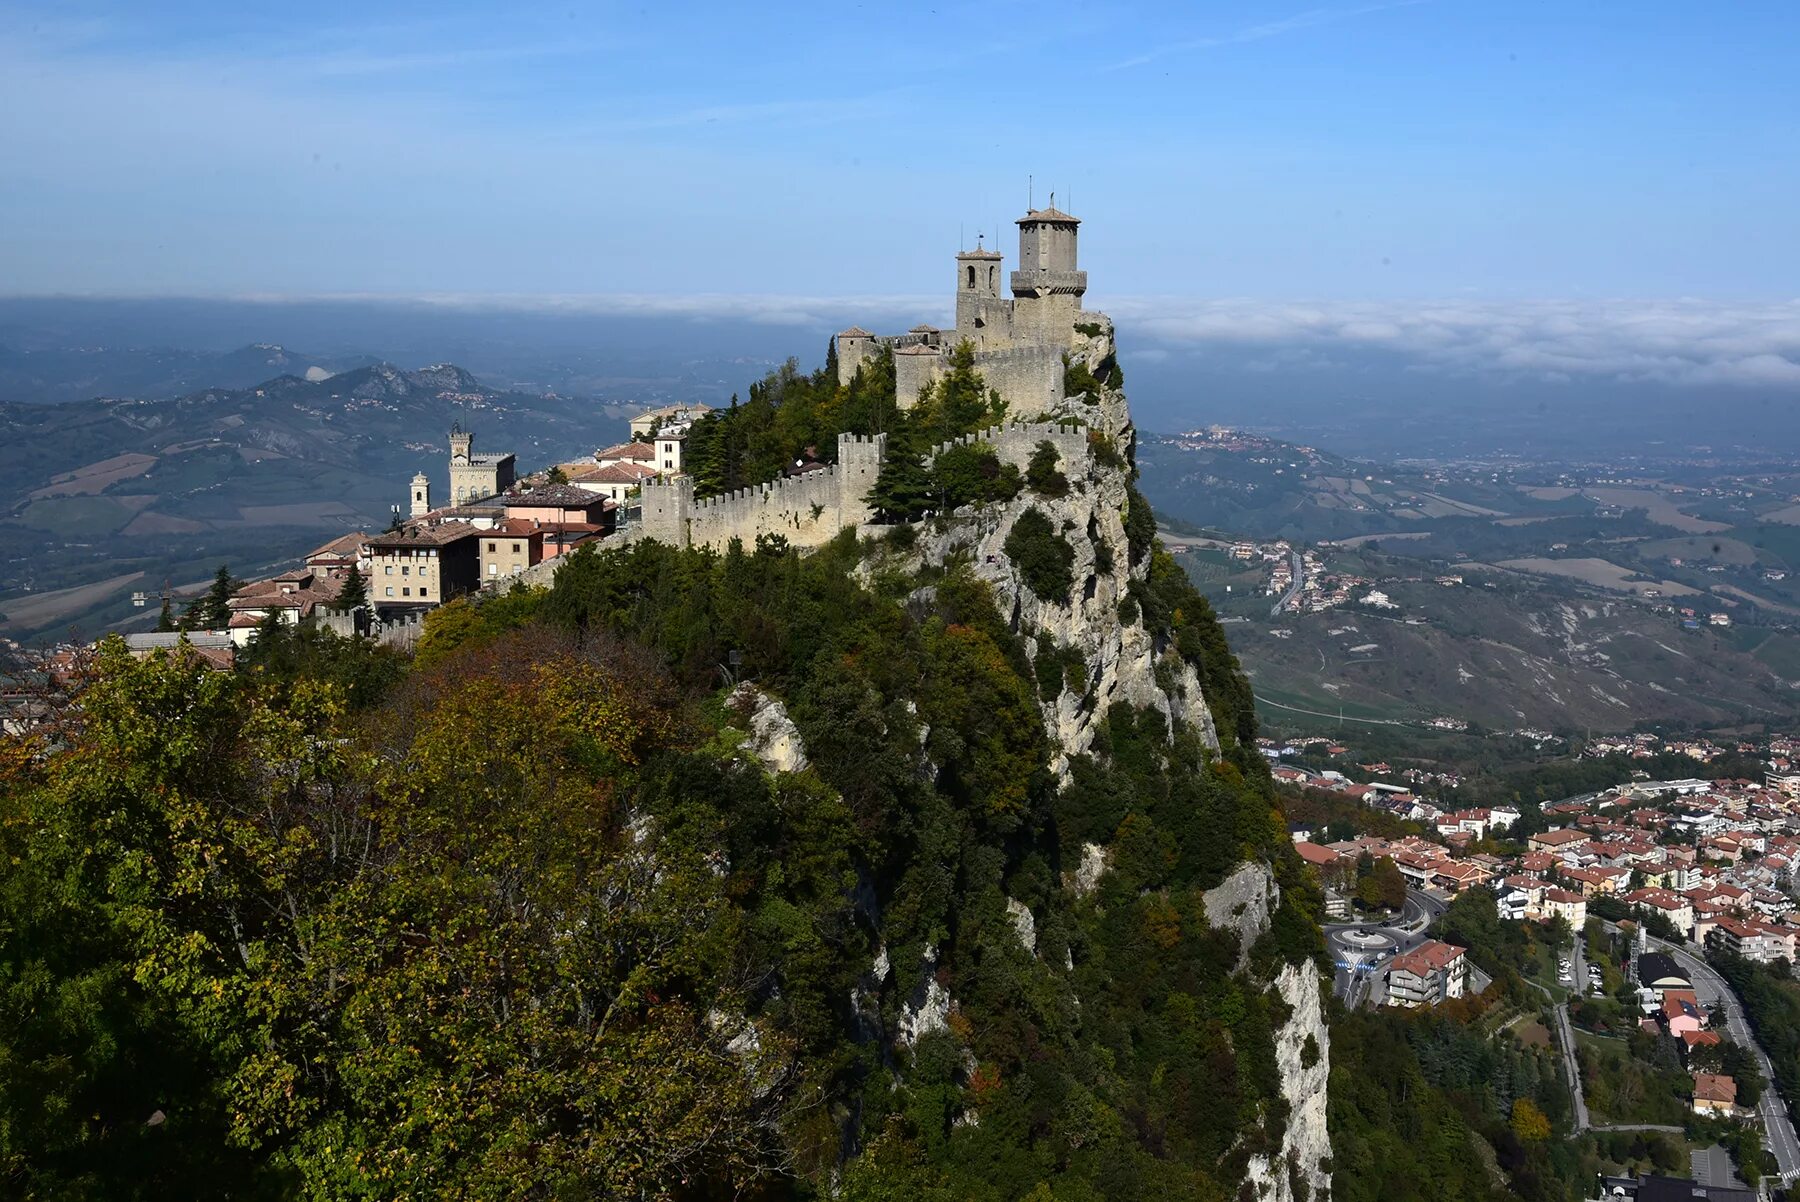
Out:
{"x": 1044, "y": 558}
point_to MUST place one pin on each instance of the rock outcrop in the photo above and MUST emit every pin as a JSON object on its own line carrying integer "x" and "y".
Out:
{"x": 774, "y": 739}
{"x": 1244, "y": 903}
{"x": 1123, "y": 662}
{"x": 1301, "y": 1169}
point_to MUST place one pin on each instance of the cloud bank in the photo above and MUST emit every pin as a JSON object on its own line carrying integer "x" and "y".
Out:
{"x": 1684, "y": 342}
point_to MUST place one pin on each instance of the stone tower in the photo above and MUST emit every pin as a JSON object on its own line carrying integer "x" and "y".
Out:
{"x": 855, "y": 346}
{"x": 421, "y": 494}
{"x": 980, "y": 313}
{"x": 858, "y": 467}
{"x": 1048, "y": 286}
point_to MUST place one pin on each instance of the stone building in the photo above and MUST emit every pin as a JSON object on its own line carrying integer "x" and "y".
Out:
{"x": 423, "y": 564}
{"x": 474, "y": 475}
{"x": 1019, "y": 341}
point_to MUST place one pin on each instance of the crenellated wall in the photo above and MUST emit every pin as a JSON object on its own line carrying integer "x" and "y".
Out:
{"x": 810, "y": 510}
{"x": 806, "y": 510}
{"x": 1014, "y": 442}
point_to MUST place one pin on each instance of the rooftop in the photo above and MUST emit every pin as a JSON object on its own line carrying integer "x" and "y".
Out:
{"x": 345, "y": 546}
{"x": 552, "y": 496}
{"x": 1430, "y": 956}
{"x": 1051, "y": 214}
{"x": 425, "y": 536}
{"x": 627, "y": 450}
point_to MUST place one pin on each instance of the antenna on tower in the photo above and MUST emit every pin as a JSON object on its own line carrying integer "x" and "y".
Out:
{"x": 962, "y": 243}
{"x": 1030, "y": 194}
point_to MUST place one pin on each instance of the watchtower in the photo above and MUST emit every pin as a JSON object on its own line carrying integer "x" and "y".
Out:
{"x": 1048, "y": 286}
{"x": 854, "y": 347}
{"x": 421, "y": 494}
{"x": 979, "y": 310}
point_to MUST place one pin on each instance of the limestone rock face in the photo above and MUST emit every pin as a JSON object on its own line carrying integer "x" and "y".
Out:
{"x": 1023, "y": 923}
{"x": 1244, "y": 903}
{"x": 1122, "y": 661}
{"x": 1300, "y": 1170}
{"x": 1086, "y": 877}
{"x": 774, "y": 739}
{"x": 928, "y": 1009}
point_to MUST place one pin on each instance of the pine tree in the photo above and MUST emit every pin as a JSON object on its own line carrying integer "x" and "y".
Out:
{"x": 903, "y": 490}
{"x": 216, "y": 608}
{"x": 355, "y": 593}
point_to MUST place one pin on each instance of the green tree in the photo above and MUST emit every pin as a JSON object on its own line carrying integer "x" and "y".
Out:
{"x": 216, "y": 611}
{"x": 1042, "y": 473}
{"x": 355, "y": 592}
{"x": 165, "y": 620}
{"x": 903, "y": 490}
{"x": 1043, "y": 557}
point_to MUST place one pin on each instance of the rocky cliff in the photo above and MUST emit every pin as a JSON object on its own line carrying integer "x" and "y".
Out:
{"x": 1121, "y": 660}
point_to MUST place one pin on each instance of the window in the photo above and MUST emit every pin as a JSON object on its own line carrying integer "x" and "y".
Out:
{"x": 515, "y": 548}
{"x": 387, "y": 570}
{"x": 493, "y": 569}
{"x": 971, "y": 275}
{"x": 390, "y": 590}
{"x": 405, "y": 571}
{"x": 490, "y": 548}
{"x": 421, "y": 590}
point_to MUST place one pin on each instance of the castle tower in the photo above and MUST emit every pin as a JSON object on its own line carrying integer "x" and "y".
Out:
{"x": 979, "y": 309}
{"x": 858, "y": 467}
{"x": 421, "y": 494}
{"x": 1048, "y": 286}
{"x": 854, "y": 347}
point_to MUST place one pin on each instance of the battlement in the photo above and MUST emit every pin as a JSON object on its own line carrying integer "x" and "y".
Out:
{"x": 809, "y": 510}
{"x": 1015, "y": 442}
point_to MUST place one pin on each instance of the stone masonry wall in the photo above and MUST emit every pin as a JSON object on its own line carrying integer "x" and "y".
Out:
{"x": 806, "y": 510}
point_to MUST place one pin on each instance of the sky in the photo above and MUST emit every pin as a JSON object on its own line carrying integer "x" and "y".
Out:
{"x": 1540, "y": 187}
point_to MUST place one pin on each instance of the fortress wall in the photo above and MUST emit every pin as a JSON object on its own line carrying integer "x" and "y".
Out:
{"x": 806, "y": 510}
{"x": 810, "y": 510}
{"x": 1028, "y": 378}
{"x": 1015, "y": 442}
{"x": 913, "y": 372}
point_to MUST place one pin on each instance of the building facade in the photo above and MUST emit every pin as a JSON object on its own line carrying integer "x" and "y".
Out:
{"x": 1431, "y": 973}
{"x": 473, "y": 474}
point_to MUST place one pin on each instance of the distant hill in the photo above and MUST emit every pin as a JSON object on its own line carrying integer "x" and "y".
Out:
{"x": 98, "y": 489}
{"x": 55, "y": 374}
{"x": 1570, "y": 614}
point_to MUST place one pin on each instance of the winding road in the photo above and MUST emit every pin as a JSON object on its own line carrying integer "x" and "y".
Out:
{"x": 1778, "y": 1125}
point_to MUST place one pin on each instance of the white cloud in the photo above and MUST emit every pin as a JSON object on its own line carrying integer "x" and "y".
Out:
{"x": 1667, "y": 341}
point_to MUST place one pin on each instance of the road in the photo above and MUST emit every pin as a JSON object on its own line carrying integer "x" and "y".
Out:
{"x": 1778, "y": 1126}
{"x": 1299, "y": 569}
{"x": 1358, "y": 975}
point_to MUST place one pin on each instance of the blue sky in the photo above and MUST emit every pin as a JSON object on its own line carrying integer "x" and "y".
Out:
{"x": 1264, "y": 153}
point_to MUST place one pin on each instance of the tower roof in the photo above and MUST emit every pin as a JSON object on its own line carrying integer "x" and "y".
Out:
{"x": 978, "y": 253}
{"x": 855, "y": 332}
{"x": 1053, "y": 215}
